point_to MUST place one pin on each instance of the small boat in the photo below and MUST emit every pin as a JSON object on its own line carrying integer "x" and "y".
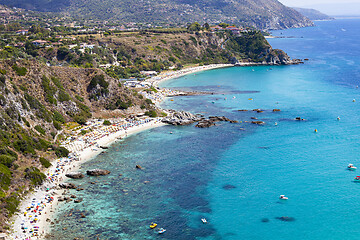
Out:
{"x": 282, "y": 197}
{"x": 153, "y": 225}
{"x": 338, "y": 118}
{"x": 161, "y": 230}
{"x": 351, "y": 167}
{"x": 354, "y": 100}
{"x": 357, "y": 179}
{"x": 315, "y": 130}
{"x": 204, "y": 220}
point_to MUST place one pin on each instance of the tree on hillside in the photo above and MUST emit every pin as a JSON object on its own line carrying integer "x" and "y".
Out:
{"x": 223, "y": 25}
{"x": 207, "y": 26}
{"x": 195, "y": 27}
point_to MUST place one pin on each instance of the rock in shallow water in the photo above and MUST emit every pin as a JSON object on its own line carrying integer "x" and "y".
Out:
{"x": 74, "y": 175}
{"x": 97, "y": 172}
{"x": 67, "y": 185}
{"x": 286, "y": 219}
{"x": 228, "y": 187}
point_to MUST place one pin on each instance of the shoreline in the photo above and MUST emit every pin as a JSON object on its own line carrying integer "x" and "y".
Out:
{"x": 186, "y": 71}
{"x": 44, "y": 195}
{"x": 44, "y": 198}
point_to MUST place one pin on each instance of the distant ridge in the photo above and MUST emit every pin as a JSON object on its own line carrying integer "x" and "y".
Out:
{"x": 313, "y": 14}
{"x": 263, "y": 14}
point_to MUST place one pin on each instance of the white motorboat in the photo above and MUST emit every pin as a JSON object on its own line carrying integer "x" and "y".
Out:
{"x": 282, "y": 197}
{"x": 351, "y": 167}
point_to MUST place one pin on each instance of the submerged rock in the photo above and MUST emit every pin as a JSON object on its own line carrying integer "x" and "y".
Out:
{"x": 205, "y": 123}
{"x": 286, "y": 219}
{"x": 97, "y": 172}
{"x": 74, "y": 175}
{"x": 228, "y": 187}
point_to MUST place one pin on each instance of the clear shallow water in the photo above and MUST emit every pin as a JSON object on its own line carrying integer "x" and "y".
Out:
{"x": 234, "y": 177}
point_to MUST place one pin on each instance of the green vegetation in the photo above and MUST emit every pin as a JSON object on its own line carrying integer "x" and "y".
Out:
{"x": 106, "y": 123}
{"x": 7, "y": 160}
{"x": 21, "y": 71}
{"x": 49, "y": 91}
{"x": 151, "y": 113}
{"x": 58, "y": 117}
{"x": 11, "y": 203}
{"x": 61, "y": 151}
{"x": 40, "y": 129}
{"x": 45, "y": 163}
{"x": 251, "y": 45}
{"x": 34, "y": 175}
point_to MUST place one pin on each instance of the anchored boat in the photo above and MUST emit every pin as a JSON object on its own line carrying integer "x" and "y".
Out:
{"x": 351, "y": 167}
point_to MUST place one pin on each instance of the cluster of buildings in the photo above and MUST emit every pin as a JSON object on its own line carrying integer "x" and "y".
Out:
{"x": 233, "y": 29}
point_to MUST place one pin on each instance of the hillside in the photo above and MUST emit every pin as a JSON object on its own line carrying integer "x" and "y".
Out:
{"x": 36, "y": 100}
{"x": 47, "y": 88}
{"x": 263, "y": 14}
{"x": 313, "y": 14}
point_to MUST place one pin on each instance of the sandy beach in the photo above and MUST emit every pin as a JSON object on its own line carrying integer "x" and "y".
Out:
{"x": 175, "y": 74}
{"x": 35, "y": 211}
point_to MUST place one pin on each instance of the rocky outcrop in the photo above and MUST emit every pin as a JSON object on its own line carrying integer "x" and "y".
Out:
{"x": 258, "y": 122}
{"x": 181, "y": 118}
{"x": 74, "y": 175}
{"x": 278, "y": 57}
{"x": 205, "y": 123}
{"x": 97, "y": 172}
{"x": 67, "y": 185}
{"x": 79, "y": 200}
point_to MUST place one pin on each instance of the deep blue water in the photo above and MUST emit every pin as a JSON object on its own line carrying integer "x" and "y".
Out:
{"x": 233, "y": 174}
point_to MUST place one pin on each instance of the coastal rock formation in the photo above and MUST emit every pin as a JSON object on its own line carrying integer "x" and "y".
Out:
{"x": 74, "y": 175}
{"x": 97, "y": 172}
{"x": 258, "y": 122}
{"x": 181, "y": 118}
{"x": 79, "y": 200}
{"x": 277, "y": 57}
{"x": 67, "y": 185}
{"x": 205, "y": 123}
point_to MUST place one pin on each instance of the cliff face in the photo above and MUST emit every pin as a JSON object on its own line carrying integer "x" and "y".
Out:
{"x": 253, "y": 47}
{"x": 263, "y": 14}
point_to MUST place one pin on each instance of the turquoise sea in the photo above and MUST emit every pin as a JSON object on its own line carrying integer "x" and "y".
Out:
{"x": 233, "y": 174}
